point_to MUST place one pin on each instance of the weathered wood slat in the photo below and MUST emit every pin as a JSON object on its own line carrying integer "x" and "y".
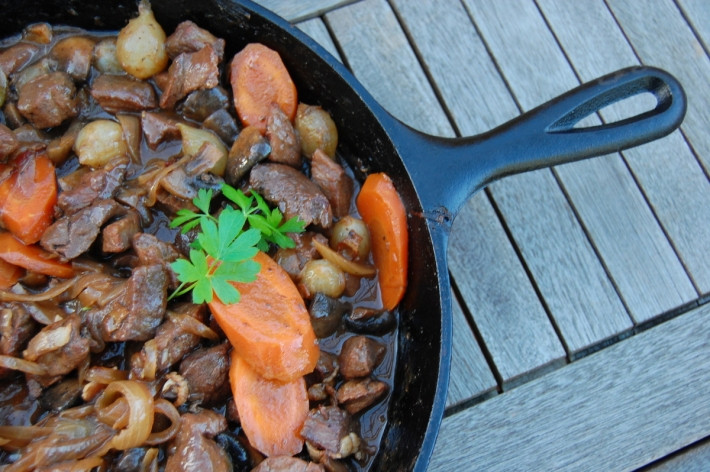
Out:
{"x": 378, "y": 53}
{"x": 698, "y": 15}
{"x": 695, "y": 458}
{"x": 617, "y": 409}
{"x": 660, "y": 36}
{"x": 470, "y": 375}
{"x": 380, "y": 56}
{"x": 315, "y": 28}
{"x": 636, "y": 252}
{"x": 667, "y": 171}
{"x": 586, "y": 307}
{"x": 500, "y": 297}
{"x": 301, "y": 10}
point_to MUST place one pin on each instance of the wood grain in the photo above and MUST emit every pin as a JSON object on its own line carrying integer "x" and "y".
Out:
{"x": 586, "y": 307}
{"x": 660, "y": 36}
{"x": 697, "y": 13}
{"x": 301, "y": 10}
{"x": 470, "y": 376}
{"x": 669, "y": 175}
{"x": 618, "y": 409}
{"x": 316, "y": 29}
{"x": 617, "y": 220}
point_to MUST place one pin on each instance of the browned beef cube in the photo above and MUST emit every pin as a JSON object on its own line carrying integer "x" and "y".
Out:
{"x": 359, "y": 356}
{"x": 117, "y": 93}
{"x": 46, "y": 101}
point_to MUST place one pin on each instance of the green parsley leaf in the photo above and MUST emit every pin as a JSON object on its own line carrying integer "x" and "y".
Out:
{"x": 225, "y": 246}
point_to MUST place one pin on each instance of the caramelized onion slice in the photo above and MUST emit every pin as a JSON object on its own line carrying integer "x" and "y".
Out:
{"x": 15, "y": 437}
{"x": 28, "y": 367}
{"x": 353, "y": 268}
{"x": 167, "y": 409}
{"x": 6, "y": 296}
{"x": 140, "y": 415}
{"x": 105, "y": 375}
{"x": 193, "y": 326}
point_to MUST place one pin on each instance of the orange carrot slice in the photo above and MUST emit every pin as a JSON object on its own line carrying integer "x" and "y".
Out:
{"x": 32, "y": 257}
{"x": 9, "y": 274}
{"x": 259, "y": 78}
{"x": 27, "y": 198}
{"x": 271, "y": 412}
{"x": 270, "y": 327}
{"x": 382, "y": 210}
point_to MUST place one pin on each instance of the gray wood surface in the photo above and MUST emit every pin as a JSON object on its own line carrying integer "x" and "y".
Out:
{"x": 316, "y": 29}
{"x": 602, "y": 412}
{"x": 681, "y": 198}
{"x": 661, "y": 37}
{"x": 300, "y": 10}
{"x": 634, "y": 249}
{"x": 697, "y": 13}
{"x": 470, "y": 375}
{"x": 694, "y": 458}
{"x": 368, "y": 33}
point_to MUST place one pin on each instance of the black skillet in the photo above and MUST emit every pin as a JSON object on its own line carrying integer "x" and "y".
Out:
{"x": 434, "y": 176}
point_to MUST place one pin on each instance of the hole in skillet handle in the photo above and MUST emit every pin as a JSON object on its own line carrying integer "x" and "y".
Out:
{"x": 638, "y": 99}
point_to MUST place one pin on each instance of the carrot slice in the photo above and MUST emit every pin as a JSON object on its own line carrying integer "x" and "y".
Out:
{"x": 27, "y": 198}
{"x": 271, "y": 412}
{"x": 32, "y": 257}
{"x": 9, "y": 274}
{"x": 259, "y": 78}
{"x": 382, "y": 210}
{"x": 270, "y": 327}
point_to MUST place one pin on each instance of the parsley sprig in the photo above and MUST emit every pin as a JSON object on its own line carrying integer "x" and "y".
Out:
{"x": 224, "y": 249}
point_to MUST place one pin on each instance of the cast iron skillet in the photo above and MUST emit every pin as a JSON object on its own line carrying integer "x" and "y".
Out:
{"x": 434, "y": 176}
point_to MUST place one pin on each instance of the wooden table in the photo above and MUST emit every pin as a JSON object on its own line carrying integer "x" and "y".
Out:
{"x": 580, "y": 334}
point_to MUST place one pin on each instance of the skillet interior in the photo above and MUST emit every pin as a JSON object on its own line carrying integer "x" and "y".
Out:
{"x": 368, "y": 140}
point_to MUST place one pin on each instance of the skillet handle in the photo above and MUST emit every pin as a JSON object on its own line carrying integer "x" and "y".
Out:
{"x": 546, "y": 136}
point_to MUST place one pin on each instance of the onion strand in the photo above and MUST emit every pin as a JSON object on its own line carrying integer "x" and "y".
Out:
{"x": 353, "y": 268}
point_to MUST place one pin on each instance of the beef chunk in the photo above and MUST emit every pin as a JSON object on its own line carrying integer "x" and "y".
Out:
{"x": 61, "y": 396}
{"x": 71, "y": 236}
{"x": 193, "y": 448}
{"x": 150, "y": 250}
{"x": 202, "y": 103}
{"x": 46, "y": 101}
{"x": 335, "y": 183}
{"x": 325, "y": 427}
{"x": 158, "y": 127}
{"x": 171, "y": 342}
{"x": 248, "y": 149}
{"x": 117, "y": 93}
{"x": 285, "y": 145}
{"x": 136, "y": 312}
{"x": 59, "y": 347}
{"x": 292, "y": 192}
{"x": 117, "y": 236}
{"x": 8, "y": 142}
{"x": 359, "y": 356}
{"x": 356, "y": 395}
{"x": 16, "y": 328}
{"x": 94, "y": 185}
{"x": 287, "y": 464}
{"x": 188, "y": 37}
{"x": 13, "y": 58}
{"x": 207, "y": 373}
{"x": 189, "y": 72}
{"x": 223, "y": 124}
